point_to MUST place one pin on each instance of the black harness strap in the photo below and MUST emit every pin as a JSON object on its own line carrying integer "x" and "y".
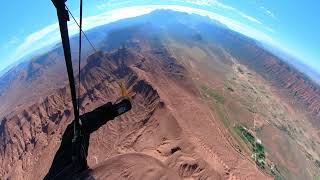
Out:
{"x": 63, "y": 18}
{"x": 80, "y": 39}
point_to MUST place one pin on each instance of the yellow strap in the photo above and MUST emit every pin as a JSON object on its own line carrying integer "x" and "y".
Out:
{"x": 123, "y": 89}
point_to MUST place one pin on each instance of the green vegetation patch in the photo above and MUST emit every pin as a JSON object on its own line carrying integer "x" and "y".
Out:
{"x": 260, "y": 156}
{"x": 257, "y": 149}
{"x": 213, "y": 94}
{"x": 245, "y": 135}
{"x": 275, "y": 172}
{"x": 258, "y": 152}
{"x": 317, "y": 162}
{"x": 217, "y": 104}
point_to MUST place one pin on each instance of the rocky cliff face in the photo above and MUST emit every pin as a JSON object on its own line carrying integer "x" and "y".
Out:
{"x": 298, "y": 85}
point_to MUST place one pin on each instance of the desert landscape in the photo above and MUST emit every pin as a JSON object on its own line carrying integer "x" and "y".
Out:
{"x": 208, "y": 103}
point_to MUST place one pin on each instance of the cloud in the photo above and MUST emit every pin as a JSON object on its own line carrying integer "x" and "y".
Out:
{"x": 216, "y": 3}
{"x": 112, "y": 16}
{"x": 50, "y": 34}
{"x": 250, "y": 18}
{"x": 201, "y": 2}
{"x": 13, "y": 41}
{"x": 111, "y": 3}
{"x": 269, "y": 29}
{"x": 268, "y": 12}
{"x": 36, "y": 40}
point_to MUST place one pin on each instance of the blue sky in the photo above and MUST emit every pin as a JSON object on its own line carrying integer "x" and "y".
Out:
{"x": 291, "y": 25}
